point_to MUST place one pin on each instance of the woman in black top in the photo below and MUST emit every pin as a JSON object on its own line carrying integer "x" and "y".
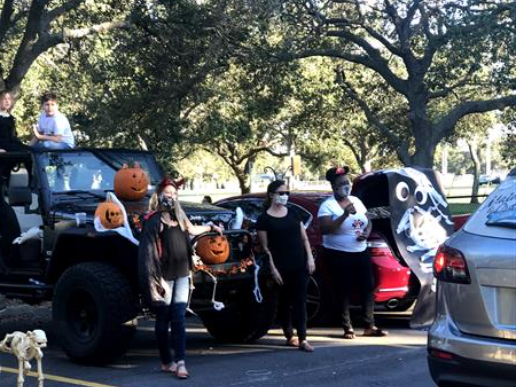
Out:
{"x": 8, "y": 140}
{"x": 165, "y": 261}
{"x": 283, "y": 237}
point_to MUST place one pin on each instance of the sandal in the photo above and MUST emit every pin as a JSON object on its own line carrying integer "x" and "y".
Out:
{"x": 349, "y": 334}
{"x": 292, "y": 342}
{"x": 375, "y": 332}
{"x": 172, "y": 367}
{"x": 304, "y": 346}
{"x": 182, "y": 372}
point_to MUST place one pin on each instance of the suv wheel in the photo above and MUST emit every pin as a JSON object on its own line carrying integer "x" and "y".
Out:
{"x": 91, "y": 303}
{"x": 244, "y": 320}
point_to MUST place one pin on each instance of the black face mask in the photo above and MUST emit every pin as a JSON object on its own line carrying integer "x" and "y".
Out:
{"x": 166, "y": 202}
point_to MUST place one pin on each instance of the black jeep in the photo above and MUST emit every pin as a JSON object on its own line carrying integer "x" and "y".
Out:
{"x": 91, "y": 276}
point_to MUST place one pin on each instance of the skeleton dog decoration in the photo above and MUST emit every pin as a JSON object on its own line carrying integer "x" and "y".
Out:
{"x": 411, "y": 209}
{"x": 26, "y": 346}
{"x": 422, "y": 222}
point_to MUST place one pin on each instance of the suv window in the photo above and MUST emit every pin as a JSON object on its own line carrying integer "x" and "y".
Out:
{"x": 92, "y": 169}
{"x": 496, "y": 217}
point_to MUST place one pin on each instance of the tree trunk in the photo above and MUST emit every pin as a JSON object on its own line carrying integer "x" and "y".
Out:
{"x": 423, "y": 132}
{"x": 475, "y": 158}
{"x": 244, "y": 179}
{"x": 423, "y": 156}
{"x": 245, "y": 183}
{"x": 367, "y": 167}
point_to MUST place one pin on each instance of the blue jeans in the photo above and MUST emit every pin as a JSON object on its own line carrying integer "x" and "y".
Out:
{"x": 51, "y": 145}
{"x": 170, "y": 322}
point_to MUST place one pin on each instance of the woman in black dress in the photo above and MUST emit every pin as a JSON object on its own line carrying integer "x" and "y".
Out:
{"x": 283, "y": 237}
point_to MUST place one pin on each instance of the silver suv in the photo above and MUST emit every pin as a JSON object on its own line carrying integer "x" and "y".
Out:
{"x": 473, "y": 339}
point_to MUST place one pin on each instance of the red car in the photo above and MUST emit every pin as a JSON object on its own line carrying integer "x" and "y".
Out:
{"x": 393, "y": 278}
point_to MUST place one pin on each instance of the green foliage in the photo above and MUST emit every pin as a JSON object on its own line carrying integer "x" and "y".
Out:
{"x": 430, "y": 61}
{"x": 508, "y": 144}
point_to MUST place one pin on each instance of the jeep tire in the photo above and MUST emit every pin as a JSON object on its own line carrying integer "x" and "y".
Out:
{"x": 92, "y": 301}
{"x": 244, "y": 320}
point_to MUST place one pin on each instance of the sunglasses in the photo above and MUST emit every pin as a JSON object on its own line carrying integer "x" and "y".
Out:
{"x": 282, "y": 193}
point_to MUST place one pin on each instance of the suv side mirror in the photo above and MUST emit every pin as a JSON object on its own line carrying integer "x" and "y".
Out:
{"x": 20, "y": 196}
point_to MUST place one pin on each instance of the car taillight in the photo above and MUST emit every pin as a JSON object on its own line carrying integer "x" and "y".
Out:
{"x": 450, "y": 266}
{"x": 438, "y": 354}
{"x": 379, "y": 249}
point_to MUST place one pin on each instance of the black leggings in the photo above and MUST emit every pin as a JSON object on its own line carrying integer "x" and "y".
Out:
{"x": 292, "y": 303}
{"x": 352, "y": 273}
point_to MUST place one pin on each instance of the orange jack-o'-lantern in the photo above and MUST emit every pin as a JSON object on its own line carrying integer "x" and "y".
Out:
{"x": 110, "y": 215}
{"x": 213, "y": 249}
{"x": 131, "y": 183}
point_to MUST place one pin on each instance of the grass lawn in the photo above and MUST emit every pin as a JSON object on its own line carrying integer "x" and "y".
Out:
{"x": 463, "y": 208}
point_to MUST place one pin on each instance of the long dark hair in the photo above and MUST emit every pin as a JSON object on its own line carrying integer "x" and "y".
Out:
{"x": 271, "y": 188}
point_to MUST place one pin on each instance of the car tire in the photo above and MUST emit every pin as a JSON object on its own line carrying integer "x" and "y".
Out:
{"x": 92, "y": 301}
{"x": 245, "y": 320}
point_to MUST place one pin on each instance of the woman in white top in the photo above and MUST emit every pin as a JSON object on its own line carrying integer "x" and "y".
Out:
{"x": 345, "y": 228}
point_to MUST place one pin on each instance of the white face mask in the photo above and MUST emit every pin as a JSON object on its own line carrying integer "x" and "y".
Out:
{"x": 344, "y": 191}
{"x": 282, "y": 199}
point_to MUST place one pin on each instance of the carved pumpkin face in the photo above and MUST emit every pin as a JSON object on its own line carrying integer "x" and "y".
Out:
{"x": 110, "y": 215}
{"x": 131, "y": 183}
{"x": 213, "y": 249}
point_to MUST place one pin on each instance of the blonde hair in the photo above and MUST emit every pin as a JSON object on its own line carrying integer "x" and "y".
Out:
{"x": 182, "y": 219}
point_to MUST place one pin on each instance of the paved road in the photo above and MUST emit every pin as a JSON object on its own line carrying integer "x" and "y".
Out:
{"x": 365, "y": 362}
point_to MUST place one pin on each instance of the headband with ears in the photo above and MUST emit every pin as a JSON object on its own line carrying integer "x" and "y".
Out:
{"x": 332, "y": 173}
{"x": 176, "y": 183}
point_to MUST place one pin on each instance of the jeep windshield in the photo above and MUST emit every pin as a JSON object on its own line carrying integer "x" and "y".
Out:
{"x": 91, "y": 172}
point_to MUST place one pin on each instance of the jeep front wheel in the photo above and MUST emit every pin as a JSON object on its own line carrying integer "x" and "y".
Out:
{"x": 92, "y": 301}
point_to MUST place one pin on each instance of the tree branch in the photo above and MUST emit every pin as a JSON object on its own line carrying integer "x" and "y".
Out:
{"x": 5, "y": 19}
{"x": 371, "y": 117}
{"x": 26, "y": 47}
{"x": 66, "y": 7}
{"x": 255, "y": 151}
{"x": 276, "y": 154}
{"x": 73, "y": 34}
{"x": 353, "y": 149}
{"x": 447, "y": 123}
{"x": 446, "y": 90}
{"x": 30, "y": 49}
{"x": 344, "y": 22}
{"x": 381, "y": 67}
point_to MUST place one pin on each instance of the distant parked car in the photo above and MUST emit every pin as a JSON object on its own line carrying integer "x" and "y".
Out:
{"x": 473, "y": 339}
{"x": 489, "y": 179}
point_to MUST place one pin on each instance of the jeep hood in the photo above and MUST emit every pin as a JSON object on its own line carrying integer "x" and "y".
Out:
{"x": 197, "y": 213}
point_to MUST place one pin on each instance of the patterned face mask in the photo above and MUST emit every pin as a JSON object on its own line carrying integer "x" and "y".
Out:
{"x": 166, "y": 202}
